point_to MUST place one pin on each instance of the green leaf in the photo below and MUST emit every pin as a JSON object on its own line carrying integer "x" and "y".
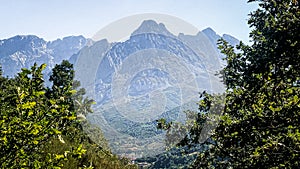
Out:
{"x": 28, "y": 105}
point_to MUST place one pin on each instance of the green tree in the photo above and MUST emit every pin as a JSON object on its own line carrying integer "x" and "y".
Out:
{"x": 259, "y": 127}
{"x": 198, "y": 124}
{"x": 62, "y": 77}
{"x": 28, "y": 119}
{"x": 79, "y": 133}
{"x": 39, "y": 126}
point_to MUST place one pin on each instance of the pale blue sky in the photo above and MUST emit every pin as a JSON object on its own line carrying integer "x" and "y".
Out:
{"x": 52, "y": 19}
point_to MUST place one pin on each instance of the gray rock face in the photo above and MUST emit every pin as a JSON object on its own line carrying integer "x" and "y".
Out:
{"x": 62, "y": 49}
{"x": 214, "y": 37}
{"x": 197, "y": 52}
{"x": 150, "y": 26}
{"x": 23, "y": 51}
{"x": 154, "y": 74}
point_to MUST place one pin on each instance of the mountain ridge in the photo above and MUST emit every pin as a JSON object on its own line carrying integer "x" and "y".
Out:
{"x": 151, "y": 67}
{"x": 23, "y": 50}
{"x": 163, "y": 69}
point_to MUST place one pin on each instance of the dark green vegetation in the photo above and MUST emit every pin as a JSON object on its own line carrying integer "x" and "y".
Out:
{"x": 44, "y": 127}
{"x": 194, "y": 134}
{"x": 259, "y": 127}
{"x": 177, "y": 157}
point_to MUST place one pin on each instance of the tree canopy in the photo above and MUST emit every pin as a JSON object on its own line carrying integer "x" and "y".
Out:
{"x": 45, "y": 127}
{"x": 259, "y": 127}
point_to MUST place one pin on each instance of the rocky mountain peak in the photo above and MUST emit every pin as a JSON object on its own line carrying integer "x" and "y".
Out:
{"x": 150, "y": 26}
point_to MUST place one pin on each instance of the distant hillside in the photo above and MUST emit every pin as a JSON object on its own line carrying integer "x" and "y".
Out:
{"x": 23, "y": 51}
{"x": 152, "y": 74}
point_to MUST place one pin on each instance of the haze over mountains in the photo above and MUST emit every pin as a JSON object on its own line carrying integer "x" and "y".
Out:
{"x": 151, "y": 75}
{"x": 23, "y": 50}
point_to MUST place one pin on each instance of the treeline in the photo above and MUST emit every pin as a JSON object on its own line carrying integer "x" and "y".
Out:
{"x": 45, "y": 127}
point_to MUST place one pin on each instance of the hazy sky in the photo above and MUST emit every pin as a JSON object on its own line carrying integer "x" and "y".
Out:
{"x": 52, "y": 19}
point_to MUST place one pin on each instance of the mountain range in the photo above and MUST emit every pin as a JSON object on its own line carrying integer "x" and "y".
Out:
{"x": 153, "y": 74}
{"x": 23, "y": 51}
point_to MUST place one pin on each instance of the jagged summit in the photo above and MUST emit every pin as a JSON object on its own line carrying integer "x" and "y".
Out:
{"x": 209, "y": 30}
{"x": 25, "y": 50}
{"x": 124, "y": 77}
{"x": 211, "y": 34}
{"x": 21, "y": 39}
{"x": 150, "y": 26}
{"x": 25, "y": 37}
{"x": 214, "y": 37}
{"x": 21, "y": 43}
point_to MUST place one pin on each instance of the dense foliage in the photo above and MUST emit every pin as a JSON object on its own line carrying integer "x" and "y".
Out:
{"x": 259, "y": 127}
{"x": 177, "y": 157}
{"x": 44, "y": 127}
{"x": 184, "y": 141}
